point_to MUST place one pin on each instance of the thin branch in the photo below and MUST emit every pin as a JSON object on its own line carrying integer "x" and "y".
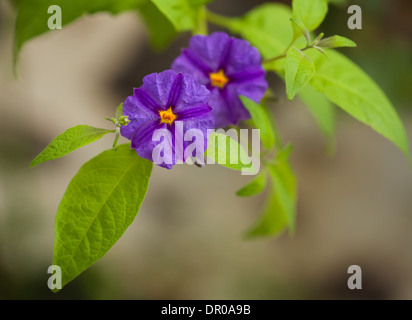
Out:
{"x": 283, "y": 55}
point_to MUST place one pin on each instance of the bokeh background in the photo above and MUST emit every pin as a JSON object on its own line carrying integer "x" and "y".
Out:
{"x": 354, "y": 207}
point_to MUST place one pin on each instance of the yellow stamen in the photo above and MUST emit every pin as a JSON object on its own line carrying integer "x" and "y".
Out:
{"x": 167, "y": 116}
{"x": 218, "y": 79}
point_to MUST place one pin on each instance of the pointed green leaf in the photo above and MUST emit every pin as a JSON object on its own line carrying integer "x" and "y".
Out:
{"x": 310, "y": 12}
{"x": 299, "y": 69}
{"x": 227, "y": 152}
{"x": 299, "y": 28}
{"x": 284, "y": 181}
{"x": 321, "y": 109}
{"x": 336, "y": 42}
{"x": 267, "y": 27}
{"x": 68, "y": 141}
{"x": 349, "y": 87}
{"x": 183, "y": 14}
{"x": 33, "y": 15}
{"x": 261, "y": 120}
{"x": 161, "y": 30}
{"x": 116, "y": 137}
{"x": 280, "y": 208}
{"x": 100, "y": 203}
{"x": 119, "y": 111}
{"x": 318, "y": 38}
{"x": 254, "y": 187}
{"x": 273, "y": 220}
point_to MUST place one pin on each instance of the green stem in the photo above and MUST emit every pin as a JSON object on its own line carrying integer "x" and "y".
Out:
{"x": 283, "y": 55}
{"x": 201, "y": 27}
{"x": 218, "y": 19}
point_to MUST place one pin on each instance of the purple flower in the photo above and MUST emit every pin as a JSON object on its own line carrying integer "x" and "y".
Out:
{"x": 170, "y": 101}
{"x": 228, "y": 67}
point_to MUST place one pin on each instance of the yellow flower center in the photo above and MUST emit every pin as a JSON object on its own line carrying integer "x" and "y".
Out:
{"x": 167, "y": 116}
{"x": 218, "y": 79}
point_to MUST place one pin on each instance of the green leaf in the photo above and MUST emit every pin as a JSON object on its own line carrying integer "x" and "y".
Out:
{"x": 321, "y": 109}
{"x": 345, "y": 84}
{"x": 254, "y": 187}
{"x": 280, "y": 208}
{"x": 223, "y": 149}
{"x": 119, "y": 111}
{"x": 299, "y": 69}
{"x": 100, "y": 203}
{"x": 161, "y": 30}
{"x": 183, "y": 14}
{"x": 261, "y": 120}
{"x": 68, "y": 141}
{"x": 318, "y": 38}
{"x": 299, "y": 28}
{"x": 267, "y": 27}
{"x": 33, "y": 15}
{"x": 284, "y": 181}
{"x": 310, "y": 12}
{"x": 336, "y": 42}
{"x": 273, "y": 220}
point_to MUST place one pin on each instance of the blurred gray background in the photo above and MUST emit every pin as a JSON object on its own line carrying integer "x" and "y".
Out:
{"x": 187, "y": 240}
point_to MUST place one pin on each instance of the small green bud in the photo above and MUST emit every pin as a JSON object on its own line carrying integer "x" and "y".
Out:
{"x": 318, "y": 38}
{"x": 123, "y": 120}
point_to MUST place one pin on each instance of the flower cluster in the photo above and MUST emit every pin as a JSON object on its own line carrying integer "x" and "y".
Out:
{"x": 202, "y": 91}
